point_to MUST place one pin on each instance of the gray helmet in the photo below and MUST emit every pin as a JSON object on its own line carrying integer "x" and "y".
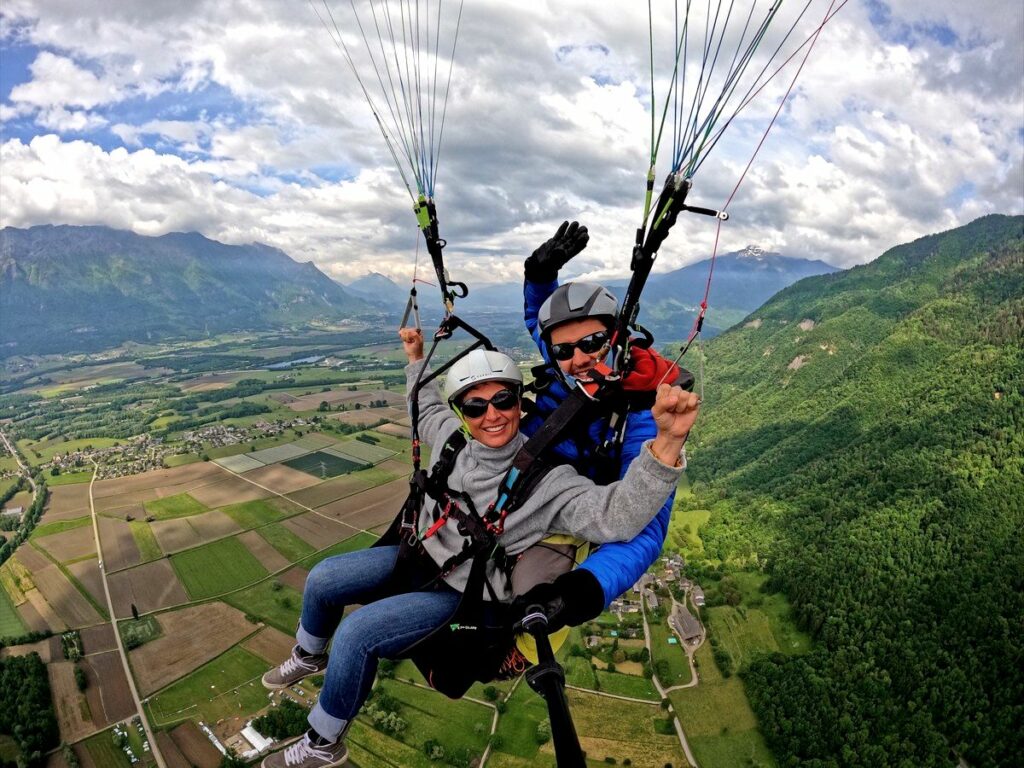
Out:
{"x": 577, "y": 301}
{"x": 479, "y": 366}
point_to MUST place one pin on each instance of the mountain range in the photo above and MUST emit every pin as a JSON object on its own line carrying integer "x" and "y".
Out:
{"x": 743, "y": 280}
{"x": 65, "y": 288}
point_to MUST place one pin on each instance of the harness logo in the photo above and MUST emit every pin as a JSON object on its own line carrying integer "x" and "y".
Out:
{"x": 457, "y": 627}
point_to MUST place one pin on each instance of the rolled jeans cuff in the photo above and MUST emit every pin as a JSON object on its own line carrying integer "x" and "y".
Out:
{"x": 311, "y": 643}
{"x": 328, "y": 726}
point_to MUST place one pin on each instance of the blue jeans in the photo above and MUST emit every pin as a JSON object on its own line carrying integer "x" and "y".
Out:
{"x": 377, "y": 630}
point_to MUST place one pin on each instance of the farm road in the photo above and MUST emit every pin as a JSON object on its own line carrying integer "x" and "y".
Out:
{"x": 154, "y": 747}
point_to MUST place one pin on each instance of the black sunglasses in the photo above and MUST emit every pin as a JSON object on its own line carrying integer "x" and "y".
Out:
{"x": 588, "y": 345}
{"x": 503, "y": 400}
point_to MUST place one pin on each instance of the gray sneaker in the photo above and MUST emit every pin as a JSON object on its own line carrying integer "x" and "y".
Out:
{"x": 303, "y": 754}
{"x": 294, "y": 668}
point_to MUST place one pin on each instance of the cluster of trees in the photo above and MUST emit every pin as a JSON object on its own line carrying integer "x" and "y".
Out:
{"x": 284, "y": 721}
{"x": 26, "y": 714}
{"x": 882, "y": 488}
{"x": 28, "y": 522}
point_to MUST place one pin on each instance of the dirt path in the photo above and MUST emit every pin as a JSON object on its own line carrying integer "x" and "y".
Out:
{"x": 154, "y": 747}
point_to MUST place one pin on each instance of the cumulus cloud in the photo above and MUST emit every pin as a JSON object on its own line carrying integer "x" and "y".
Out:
{"x": 243, "y": 122}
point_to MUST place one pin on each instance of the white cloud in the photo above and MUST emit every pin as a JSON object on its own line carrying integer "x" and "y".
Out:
{"x": 893, "y": 132}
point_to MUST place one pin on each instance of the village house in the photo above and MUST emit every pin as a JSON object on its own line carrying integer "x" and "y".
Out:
{"x": 684, "y": 624}
{"x": 697, "y": 595}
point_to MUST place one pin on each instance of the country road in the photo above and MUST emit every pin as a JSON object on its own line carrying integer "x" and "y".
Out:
{"x": 153, "y": 746}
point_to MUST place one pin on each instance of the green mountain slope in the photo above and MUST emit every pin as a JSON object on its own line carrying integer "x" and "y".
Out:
{"x": 81, "y": 288}
{"x": 868, "y": 429}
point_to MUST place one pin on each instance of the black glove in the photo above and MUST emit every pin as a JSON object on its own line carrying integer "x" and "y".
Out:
{"x": 543, "y": 265}
{"x": 569, "y": 600}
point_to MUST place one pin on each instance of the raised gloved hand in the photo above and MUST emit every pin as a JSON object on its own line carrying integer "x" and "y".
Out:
{"x": 569, "y": 600}
{"x": 543, "y": 264}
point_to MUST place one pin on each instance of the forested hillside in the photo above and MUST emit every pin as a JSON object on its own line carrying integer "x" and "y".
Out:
{"x": 864, "y": 434}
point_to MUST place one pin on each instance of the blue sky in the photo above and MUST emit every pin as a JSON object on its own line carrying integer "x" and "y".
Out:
{"x": 244, "y": 123}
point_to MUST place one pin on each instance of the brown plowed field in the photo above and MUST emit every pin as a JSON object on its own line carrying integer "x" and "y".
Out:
{"x": 65, "y": 598}
{"x": 194, "y": 745}
{"x": 73, "y": 726}
{"x": 110, "y": 699}
{"x": 31, "y": 558}
{"x": 98, "y": 639}
{"x": 88, "y": 574}
{"x": 280, "y": 478}
{"x": 270, "y": 644}
{"x": 395, "y": 430}
{"x": 120, "y": 503}
{"x": 172, "y": 755}
{"x": 295, "y": 578}
{"x": 368, "y": 416}
{"x": 315, "y": 530}
{"x": 332, "y": 489}
{"x": 369, "y": 508}
{"x": 44, "y": 610}
{"x": 31, "y": 616}
{"x": 48, "y": 650}
{"x": 150, "y": 586}
{"x": 67, "y": 502}
{"x": 119, "y": 547}
{"x": 228, "y": 491}
{"x": 69, "y": 545}
{"x": 344, "y": 396}
{"x": 55, "y": 760}
{"x": 398, "y": 466}
{"x": 192, "y": 636}
{"x": 269, "y": 557}
{"x": 186, "y": 532}
{"x": 158, "y": 478}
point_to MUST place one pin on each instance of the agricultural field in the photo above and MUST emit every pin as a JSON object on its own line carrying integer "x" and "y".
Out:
{"x": 145, "y": 540}
{"x": 172, "y": 507}
{"x": 634, "y": 686}
{"x": 253, "y": 514}
{"x": 228, "y": 685}
{"x": 69, "y": 478}
{"x": 276, "y": 606}
{"x": 40, "y": 452}
{"x": 11, "y": 624}
{"x": 323, "y": 465}
{"x": 719, "y": 723}
{"x": 216, "y": 568}
{"x": 286, "y": 542}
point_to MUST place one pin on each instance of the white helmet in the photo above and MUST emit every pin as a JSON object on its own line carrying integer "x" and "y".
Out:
{"x": 479, "y": 366}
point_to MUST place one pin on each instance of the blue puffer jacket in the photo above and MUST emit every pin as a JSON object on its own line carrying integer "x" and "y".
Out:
{"x": 618, "y": 565}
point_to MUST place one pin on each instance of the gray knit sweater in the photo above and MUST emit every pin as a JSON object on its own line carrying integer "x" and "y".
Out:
{"x": 564, "y": 502}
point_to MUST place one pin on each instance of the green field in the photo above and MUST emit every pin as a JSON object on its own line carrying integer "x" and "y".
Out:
{"x": 279, "y": 608}
{"x": 351, "y": 544}
{"x": 322, "y": 465}
{"x": 684, "y": 530}
{"x": 285, "y": 542}
{"x": 139, "y": 632}
{"x": 430, "y": 716}
{"x": 11, "y": 624}
{"x": 718, "y": 721}
{"x": 48, "y": 529}
{"x": 69, "y": 478}
{"x": 7, "y": 462}
{"x": 9, "y": 751}
{"x": 180, "y": 505}
{"x": 181, "y": 459}
{"x": 518, "y": 725}
{"x": 253, "y": 514}
{"x": 218, "y": 567}
{"x": 673, "y": 655}
{"x": 105, "y": 752}
{"x": 146, "y": 541}
{"x": 634, "y": 686}
{"x": 225, "y": 687}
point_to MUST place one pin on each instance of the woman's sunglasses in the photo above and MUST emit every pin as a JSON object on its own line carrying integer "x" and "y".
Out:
{"x": 475, "y": 407}
{"x": 588, "y": 345}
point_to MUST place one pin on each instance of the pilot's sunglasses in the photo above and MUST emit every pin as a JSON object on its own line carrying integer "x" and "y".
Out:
{"x": 588, "y": 345}
{"x": 503, "y": 400}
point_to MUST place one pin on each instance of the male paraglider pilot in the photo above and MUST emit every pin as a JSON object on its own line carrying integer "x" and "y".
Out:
{"x": 572, "y": 326}
{"x": 482, "y": 398}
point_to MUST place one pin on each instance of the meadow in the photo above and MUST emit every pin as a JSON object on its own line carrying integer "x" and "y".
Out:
{"x": 11, "y": 624}
{"x": 171, "y": 507}
{"x": 212, "y": 569}
{"x": 145, "y": 540}
{"x": 253, "y": 514}
{"x": 673, "y": 655}
{"x": 285, "y": 542}
{"x": 273, "y": 604}
{"x": 227, "y": 686}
